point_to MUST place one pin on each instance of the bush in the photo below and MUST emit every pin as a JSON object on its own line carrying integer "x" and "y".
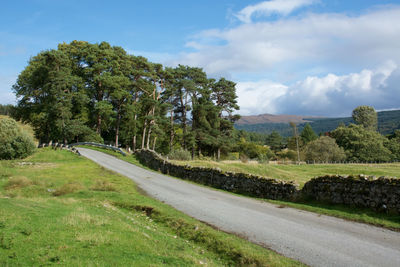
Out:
{"x": 179, "y": 154}
{"x": 232, "y": 156}
{"x": 93, "y": 137}
{"x": 324, "y": 149}
{"x": 244, "y": 158}
{"x": 15, "y": 143}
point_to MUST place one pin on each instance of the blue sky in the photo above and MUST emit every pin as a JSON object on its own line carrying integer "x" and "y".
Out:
{"x": 308, "y": 57}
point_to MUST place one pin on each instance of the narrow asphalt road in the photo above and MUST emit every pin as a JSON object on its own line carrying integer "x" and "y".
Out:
{"x": 310, "y": 238}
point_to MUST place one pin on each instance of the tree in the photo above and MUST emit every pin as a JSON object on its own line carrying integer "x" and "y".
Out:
{"x": 393, "y": 144}
{"x": 324, "y": 149}
{"x": 308, "y": 134}
{"x": 274, "y": 140}
{"x": 15, "y": 143}
{"x": 361, "y": 144}
{"x": 296, "y": 136}
{"x": 366, "y": 116}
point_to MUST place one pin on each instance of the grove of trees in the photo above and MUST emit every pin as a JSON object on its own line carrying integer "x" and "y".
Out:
{"x": 94, "y": 92}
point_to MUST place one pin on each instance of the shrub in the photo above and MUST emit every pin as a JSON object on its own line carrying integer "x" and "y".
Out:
{"x": 324, "y": 149}
{"x": 244, "y": 158}
{"x": 180, "y": 154}
{"x": 288, "y": 155}
{"x": 93, "y": 137}
{"x": 15, "y": 143}
{"x": 232, "y": 156}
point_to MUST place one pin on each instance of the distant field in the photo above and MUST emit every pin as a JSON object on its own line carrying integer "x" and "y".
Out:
{"x": 299, "y": 173}
{"x": 59, "y": 208}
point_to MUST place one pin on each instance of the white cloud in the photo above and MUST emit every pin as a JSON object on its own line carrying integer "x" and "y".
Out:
{"x": 258, "y": 97}
{"x": 312, "y": 39}
{"x": 266, "y": 8}
{"x": 330, "y": 95}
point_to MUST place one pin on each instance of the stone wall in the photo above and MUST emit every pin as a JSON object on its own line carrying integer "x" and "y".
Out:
{"x": 379, "y": 194}
{"x": 245, "y": 184}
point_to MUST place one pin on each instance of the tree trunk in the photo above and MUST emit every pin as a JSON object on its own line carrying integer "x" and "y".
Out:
{"x": 117, "y": 127}
{"x": 148, "y": 138}
{"x": 144, "y": 134}
{"x": 134, "y": 143}
{"x": 171, "y": 137}
{"x": 154, "y": 143}
{"x": 219, "y": 153}
{"x": 98, "y": 128}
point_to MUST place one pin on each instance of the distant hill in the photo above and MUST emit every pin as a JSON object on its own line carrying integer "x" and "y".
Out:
{"x": 388, "y": 121}
{"x": 269, "y": 118}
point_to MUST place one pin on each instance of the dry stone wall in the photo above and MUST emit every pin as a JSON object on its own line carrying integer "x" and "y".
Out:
{"x": 380, "y": 194}
{"x": 233, "y": 182}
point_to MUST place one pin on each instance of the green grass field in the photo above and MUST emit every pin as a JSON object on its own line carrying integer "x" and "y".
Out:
{"x": 59, "y": 208}
{"x": 299, "y": 173}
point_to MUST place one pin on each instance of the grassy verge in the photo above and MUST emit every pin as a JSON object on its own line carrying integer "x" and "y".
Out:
{"x": 59, "y": 208}
{"x": 299, "y": 173}
{"x": 389, "y": 221}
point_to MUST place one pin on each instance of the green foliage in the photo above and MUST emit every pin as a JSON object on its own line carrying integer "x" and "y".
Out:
{"x": 6, "y": 110}
{"x": 308, "y": 134}
{"x": 288, "y": 154}
{"x": 366, "y": 116}
{"x": 254, "y": 151}
{"x": 14, "y": 142}
{"x": 179, "y": 154}
{"x": 274, "y": 140}
{"x": 393, "y": 144}
{"x": 324, "y": 149}
{"x": 69, "y": 92}
{"x": 361, "y": 144}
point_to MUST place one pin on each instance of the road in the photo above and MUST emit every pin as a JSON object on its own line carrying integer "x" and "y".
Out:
{"x": 313, "y": 239}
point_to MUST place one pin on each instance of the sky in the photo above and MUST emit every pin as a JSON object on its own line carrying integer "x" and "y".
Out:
{"x": 301, "y": 57}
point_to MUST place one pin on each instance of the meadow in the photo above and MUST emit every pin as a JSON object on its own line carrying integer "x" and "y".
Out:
{"x": 59, "y": 208}
{"x": 298, "y": 173}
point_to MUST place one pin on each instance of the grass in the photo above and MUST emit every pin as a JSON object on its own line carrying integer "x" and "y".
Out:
{"x": 362, "y": 215}
{"x": 389, "y": 221}
{"x": 299, "y": 173}
{"x": 59, "y": 208}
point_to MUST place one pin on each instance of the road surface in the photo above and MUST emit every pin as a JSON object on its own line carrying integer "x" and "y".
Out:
{"x": 313, "y": 239}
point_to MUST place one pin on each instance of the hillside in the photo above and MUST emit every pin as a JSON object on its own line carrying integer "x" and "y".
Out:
{"x": 388, "y": 121}
{"x": 270, "y": 118}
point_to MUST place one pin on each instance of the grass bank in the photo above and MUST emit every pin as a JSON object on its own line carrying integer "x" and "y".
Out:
{"x": 59, "y": 208}
{"x": 368, "y": 216}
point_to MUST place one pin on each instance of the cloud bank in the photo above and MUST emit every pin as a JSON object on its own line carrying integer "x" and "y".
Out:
{"x": 313, "y": 64}
{"x": 330, "y": 95}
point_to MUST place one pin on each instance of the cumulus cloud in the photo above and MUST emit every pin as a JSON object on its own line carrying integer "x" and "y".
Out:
{"x": 327, "y": 39}
{"x": 267, "y": 8}
{"x": 330, "y": 95}
{"x": 259, "y": 97}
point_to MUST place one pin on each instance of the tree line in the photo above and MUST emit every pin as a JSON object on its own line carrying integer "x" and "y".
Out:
{"x": 98, "y": 92}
